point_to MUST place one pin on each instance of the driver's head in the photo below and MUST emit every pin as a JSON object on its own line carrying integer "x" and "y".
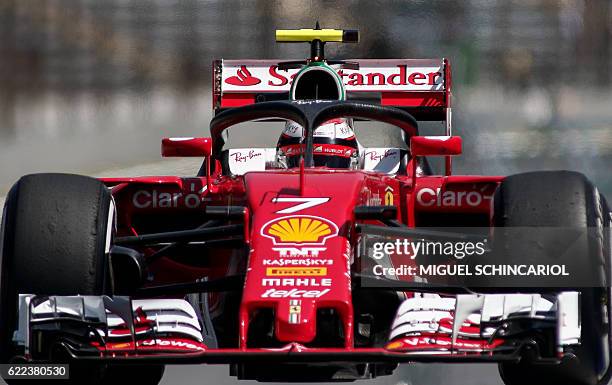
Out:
{"x": 335, "y": 145}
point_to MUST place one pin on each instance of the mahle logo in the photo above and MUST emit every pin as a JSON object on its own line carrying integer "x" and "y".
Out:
{"x": 299, "y": 230}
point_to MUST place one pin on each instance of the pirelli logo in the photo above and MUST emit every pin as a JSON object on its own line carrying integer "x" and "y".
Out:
{"x": 296, "y": 271}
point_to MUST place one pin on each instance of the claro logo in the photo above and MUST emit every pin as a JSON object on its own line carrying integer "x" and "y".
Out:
{"x": 430, "y": 197}
{"x": 146, "y": 199}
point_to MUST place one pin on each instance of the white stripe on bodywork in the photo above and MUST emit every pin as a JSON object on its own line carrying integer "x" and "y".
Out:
{"x": 304, "y": 203}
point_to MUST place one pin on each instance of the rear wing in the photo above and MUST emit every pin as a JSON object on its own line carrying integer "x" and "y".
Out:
{"x": 419, "y": 86}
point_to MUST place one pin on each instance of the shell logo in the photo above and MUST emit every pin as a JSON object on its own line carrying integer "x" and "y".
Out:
{"x": 299, "y": 230}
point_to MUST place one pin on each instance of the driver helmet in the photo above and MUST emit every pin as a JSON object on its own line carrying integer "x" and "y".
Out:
{"x": 334, "y": 145}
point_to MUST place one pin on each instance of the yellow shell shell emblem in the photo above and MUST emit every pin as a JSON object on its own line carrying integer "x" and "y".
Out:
{"x": 300, "y": 229}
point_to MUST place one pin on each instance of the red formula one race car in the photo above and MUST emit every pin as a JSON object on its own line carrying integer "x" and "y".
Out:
{"x": 317, "y": 259}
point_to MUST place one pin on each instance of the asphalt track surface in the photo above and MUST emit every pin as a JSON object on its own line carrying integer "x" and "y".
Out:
{"x": 412, "y": 374}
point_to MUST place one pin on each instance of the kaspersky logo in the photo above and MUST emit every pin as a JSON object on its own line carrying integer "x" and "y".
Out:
{"x": 299, "y": 230}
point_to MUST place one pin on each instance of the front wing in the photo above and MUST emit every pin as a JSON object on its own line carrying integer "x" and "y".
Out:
{"x": 427, "y": 328}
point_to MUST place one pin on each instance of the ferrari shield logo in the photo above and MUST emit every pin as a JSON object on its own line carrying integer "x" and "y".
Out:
{"x": 389, "y": 196}
{"x": 295, "y": 311}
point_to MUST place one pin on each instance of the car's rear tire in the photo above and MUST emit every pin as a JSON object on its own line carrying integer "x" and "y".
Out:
{"x": 561, "y": 199}
{"x": 56, "y": 234}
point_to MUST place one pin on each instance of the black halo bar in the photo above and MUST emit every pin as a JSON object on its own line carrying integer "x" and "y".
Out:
{"x": 229, "y": 283}
{"x": 201, "y": 234}
{"x": 309, "y": 115}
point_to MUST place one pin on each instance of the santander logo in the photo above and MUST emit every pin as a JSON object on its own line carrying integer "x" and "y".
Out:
{"x": 401, "y": 75}
{"x": 243, "y": 78}
{"x": 396, "y": 75}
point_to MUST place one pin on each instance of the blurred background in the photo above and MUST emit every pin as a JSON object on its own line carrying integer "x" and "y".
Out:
{"x": 87, "y": 85}
{"x": 90, "y": 86}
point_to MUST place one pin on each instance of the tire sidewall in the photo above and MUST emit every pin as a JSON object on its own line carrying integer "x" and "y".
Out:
{"x": 581, "y": 369}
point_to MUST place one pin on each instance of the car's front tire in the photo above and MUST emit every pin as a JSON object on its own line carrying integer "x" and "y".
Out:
{"x": 567, "y": 200}
{"x": 55, "y": 239}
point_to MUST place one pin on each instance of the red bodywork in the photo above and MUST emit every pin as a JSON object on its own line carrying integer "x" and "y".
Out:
{"x": 315, "y": 271}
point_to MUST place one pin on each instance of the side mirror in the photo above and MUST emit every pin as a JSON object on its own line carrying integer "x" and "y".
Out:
{"x": 185, "y": 147}
{"x": 435, "y": 145}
